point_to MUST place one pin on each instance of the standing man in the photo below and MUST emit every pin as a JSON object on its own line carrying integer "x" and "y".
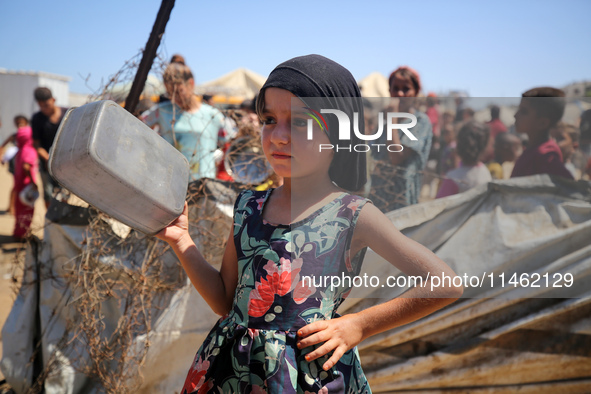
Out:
{"x": 45, "y": 124}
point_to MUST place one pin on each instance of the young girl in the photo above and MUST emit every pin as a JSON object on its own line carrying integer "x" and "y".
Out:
{"x": 25, "y": 172}
{"x": 398, "y": 176}
{"x": 472, "y": 140}
{"x": 278, "y": 332}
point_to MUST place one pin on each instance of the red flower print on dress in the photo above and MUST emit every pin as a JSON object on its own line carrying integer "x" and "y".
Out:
{"x": 260, "y": 202}
{"x": 196, "y": 377}
{"x": 204, "y": 389}
{"x": 353, "y": 205}
{"x": 253, "y": 332}
{"x": 279, "y": 280}
{"x": 302, "y": 291}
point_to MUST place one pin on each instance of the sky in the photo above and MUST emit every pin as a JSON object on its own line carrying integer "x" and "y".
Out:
{"x": 487, "y": 48}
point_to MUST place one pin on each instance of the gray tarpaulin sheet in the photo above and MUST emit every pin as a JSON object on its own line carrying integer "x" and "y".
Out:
{"x": 503, "y": 339}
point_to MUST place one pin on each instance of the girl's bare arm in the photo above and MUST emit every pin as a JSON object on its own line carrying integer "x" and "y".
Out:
{"x": 376, "y": 231}
{"x": 216, "y": 287}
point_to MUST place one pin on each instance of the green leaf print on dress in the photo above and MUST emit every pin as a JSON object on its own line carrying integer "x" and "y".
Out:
{"x": 254, "y": 349}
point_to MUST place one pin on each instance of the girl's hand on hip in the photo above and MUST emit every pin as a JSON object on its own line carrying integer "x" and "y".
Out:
{"x": 339, "y": 335}
{"x": 178, "y": 230}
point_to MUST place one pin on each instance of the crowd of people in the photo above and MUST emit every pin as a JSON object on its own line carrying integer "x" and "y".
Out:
{"x": 305, "y": 227}
{"x": 450, "y": 147}
{"x": 461, "y": 153}
{"x": 470, "y": 153}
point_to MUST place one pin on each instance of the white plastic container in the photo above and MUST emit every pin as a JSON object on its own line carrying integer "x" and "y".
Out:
{"x": 116, "y": 163}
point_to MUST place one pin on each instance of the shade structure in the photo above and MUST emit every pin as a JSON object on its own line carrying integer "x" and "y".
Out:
{"x": 154, "y": 87}
{"x": 374, "y": 85}
{"x": 241, "y": 82}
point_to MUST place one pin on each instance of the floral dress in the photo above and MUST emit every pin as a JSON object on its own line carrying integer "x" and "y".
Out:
{"x": 282, "y": 286}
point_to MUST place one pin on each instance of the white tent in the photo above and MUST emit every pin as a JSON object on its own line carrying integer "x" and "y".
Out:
{"x": 240, "y": 82}
{"x": 374, "y": 85}
{"x": 153, "y": 87}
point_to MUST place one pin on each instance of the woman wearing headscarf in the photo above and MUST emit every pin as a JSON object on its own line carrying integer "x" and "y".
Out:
{"x": 397, "y": 177}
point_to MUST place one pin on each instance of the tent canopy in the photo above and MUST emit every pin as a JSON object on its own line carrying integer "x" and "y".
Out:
{"x": 240, "y": 82}
{"x": 374, "y": 85}
{"x": 154, "y": 87}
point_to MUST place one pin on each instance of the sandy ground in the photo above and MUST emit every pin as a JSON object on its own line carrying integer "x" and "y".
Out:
{"x": 12, "y": 253}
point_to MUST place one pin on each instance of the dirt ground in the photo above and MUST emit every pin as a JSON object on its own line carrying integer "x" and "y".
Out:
{"x": 12, "y": 253}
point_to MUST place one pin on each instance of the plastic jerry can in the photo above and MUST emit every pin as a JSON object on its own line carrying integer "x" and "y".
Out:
{"x": 117, "y": 164}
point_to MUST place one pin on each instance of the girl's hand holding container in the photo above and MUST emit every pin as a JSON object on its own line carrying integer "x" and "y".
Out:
{"x": 176, "y": 232}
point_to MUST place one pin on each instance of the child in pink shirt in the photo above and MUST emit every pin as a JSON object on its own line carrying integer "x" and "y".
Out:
{"x": 25, "y": 172}
{"x": 472, "y": 139}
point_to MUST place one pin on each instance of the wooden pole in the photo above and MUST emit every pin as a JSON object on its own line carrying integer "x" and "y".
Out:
{"x": 149, "y": 54}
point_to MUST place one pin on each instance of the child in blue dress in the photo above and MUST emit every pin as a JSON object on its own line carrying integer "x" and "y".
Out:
{"x": 280, "y": 333}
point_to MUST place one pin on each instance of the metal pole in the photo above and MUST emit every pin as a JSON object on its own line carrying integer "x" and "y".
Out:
{"x": 149, "y": 54}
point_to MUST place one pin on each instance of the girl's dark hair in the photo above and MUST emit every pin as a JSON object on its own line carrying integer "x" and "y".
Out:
{"x": 471, "y": 141}
{"x": 176, "y": 58}
{"x": 177, "y": 73}
{"x": 21, "y": 118}
{"x": 408, "y": 74}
